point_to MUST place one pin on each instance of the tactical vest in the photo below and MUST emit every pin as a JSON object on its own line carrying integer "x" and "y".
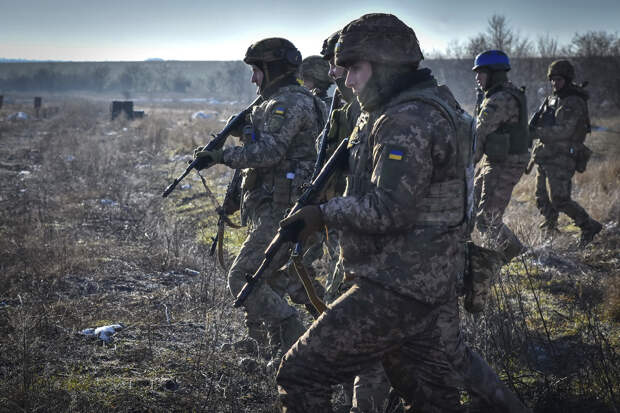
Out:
{"x": 448, "y": 203}
{"x": 283, "y": 181}
{"x": 510, "y": 138}
{"x": 553, "y": 102}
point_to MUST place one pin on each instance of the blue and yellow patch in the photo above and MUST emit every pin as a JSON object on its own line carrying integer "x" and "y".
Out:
{"x": 395, "y": 155}
{"x": 279, "y": 111}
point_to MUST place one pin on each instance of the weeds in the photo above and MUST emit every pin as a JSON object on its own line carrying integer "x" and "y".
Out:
{"x": 86, "y": 240}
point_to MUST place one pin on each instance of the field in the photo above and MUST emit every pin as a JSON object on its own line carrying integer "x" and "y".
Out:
{"x": 86, "y": 240}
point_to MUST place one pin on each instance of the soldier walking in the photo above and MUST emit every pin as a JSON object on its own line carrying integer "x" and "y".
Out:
{"x": 561, "y": 127}
{"x": 276, "y": 157}
{"x": 502, "y": 147}
{"x": 401, "y": 247}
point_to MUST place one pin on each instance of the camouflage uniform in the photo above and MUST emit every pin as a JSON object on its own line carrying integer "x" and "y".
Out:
{"x": 499, "y": 171}
{"x": 277, "y": 156}
{"x": 402, "y": 253}
{"x": 561, "y": 129}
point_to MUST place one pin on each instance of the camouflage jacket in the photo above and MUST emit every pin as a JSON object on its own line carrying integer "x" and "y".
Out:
{"x": 562, "y": 127}
{"x": 277, "y": 154}
{"x": 498, "y": 109}
{"x": 397, "y": 155}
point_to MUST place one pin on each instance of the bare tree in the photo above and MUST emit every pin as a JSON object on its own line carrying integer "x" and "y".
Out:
{"x": 455, "y": 50}
{"x": 476, "y": 44}
{"x": 499, "y": 35}
{"x": 547, "y": 46}
{"x": 595, "y": 44}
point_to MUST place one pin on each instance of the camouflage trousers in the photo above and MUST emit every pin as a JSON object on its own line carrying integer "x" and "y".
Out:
{"x": 420, "y": 347}
{"x": 553, "y": 195}
{"x": 493, "y": 185}
{"x": 264, "y": 304}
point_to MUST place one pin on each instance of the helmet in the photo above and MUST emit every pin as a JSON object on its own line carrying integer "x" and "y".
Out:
{"x": 329, "y": 45}
{"x": 562, "y": 68}
{"x": 380, "y": 38}
{"x": 271, "y": 50}
{"x": 314, "y": 67}
{"x": 494, "y": 60}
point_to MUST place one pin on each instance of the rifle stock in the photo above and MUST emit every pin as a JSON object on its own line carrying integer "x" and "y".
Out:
{"x": 216, "y": 143}
{"x": 310, "y": 196}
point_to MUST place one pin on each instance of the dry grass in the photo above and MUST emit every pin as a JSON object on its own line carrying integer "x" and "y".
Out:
{"x": 86, "y": 240}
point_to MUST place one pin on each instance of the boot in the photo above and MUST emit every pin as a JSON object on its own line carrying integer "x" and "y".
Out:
{"x": 282, "y": 336}
{"x": 589, "y": 231}
{"x": 549, "y": 227}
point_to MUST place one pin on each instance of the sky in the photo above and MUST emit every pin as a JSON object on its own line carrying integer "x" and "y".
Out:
{"x": 134, "y": 30}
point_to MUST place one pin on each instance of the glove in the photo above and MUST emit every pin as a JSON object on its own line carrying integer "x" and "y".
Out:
{"x": 207, "y": 159}
{"x": 303, "y": 223}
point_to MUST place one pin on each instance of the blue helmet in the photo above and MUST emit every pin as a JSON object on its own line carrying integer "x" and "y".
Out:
{"x": 492, "y": 60}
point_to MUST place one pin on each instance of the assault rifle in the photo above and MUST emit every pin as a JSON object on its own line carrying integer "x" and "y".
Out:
{"x": 311, "y": 195}
{"x": 534, "y": 120}
{"x": 322, "y": 153}
{"x": 216, "y": 143}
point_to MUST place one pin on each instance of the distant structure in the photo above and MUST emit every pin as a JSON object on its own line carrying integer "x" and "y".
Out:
{"x": 124, "y": 106}
{"x": 37, "y": 105}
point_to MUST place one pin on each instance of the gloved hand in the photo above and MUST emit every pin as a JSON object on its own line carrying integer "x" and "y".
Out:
{"x": 303, "y": 223}
{"x": 207, "y": 159}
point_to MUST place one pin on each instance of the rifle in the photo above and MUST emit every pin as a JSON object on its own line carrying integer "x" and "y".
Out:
{"x": 223, "y": 220}
{"x": 310, "y": 196}
{"x": 216, "y": 143}
{"x": 532, "y": 125}
{"x": 322, "y": 153}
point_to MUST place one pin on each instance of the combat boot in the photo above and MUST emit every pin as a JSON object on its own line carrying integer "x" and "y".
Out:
{"x": 282, "y": 336}
{"x": 589, "y": 231}
{"x": 549, "y": 228}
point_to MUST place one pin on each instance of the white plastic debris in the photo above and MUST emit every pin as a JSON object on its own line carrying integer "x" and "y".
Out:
{"x": 103, "y": 333}
{"x": 186, "y": 186}
{"x": 189, "y": 271}
{"x": 18, "y": 116}
{"x": 203, "y": 115}
{"x": 108, "y": 202}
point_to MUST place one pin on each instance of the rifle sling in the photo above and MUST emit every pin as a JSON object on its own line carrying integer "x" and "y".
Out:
{"x": 302, "y": 272}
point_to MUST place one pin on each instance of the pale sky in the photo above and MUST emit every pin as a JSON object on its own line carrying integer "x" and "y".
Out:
{"x": 133, "y": 30}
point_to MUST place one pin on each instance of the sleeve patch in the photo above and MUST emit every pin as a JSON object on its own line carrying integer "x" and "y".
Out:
{"x": 279, "y": 111}
{"x": 395, "y": 154}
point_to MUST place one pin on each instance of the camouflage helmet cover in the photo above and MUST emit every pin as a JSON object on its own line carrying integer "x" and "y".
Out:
{"x": 329, "y": 45}
{"x": 380, "y": 38}
{"x": 314, "y": 67}
{"x": 273, "y": 49}
{"x": 562, "y": 68}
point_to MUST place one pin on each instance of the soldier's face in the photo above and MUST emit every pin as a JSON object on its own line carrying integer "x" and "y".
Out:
{"x": 336, "y": 72}
{"x": 358, "y": 75}
{"x": 557, "y": 82}
{"x": 257, "y": 76}
{"x": 481, "y": 79}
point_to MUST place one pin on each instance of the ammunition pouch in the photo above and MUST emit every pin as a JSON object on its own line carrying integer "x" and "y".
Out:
{"x": 497, "y": 146}
{"x": 581, "y": 155}
{"x": 443, "y": 205}
{"x": 482, "y": 267}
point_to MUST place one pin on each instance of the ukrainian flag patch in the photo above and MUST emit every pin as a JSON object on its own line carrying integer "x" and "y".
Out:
{"x": 396, "y": 155}
{"x": 279, "y": 111}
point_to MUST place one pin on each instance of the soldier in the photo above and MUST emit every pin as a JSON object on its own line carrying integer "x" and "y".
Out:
{"x": 503, "y": 139}
{"x": 314, "y": 74}
{"x": 401, "y": 239}
{"x": 370, "y": 389}
{"x": 277, "y": 156}
{"x": 561, "y": 127}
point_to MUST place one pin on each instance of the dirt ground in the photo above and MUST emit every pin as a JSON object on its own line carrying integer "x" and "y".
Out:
{"x": 86, "y": 240}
